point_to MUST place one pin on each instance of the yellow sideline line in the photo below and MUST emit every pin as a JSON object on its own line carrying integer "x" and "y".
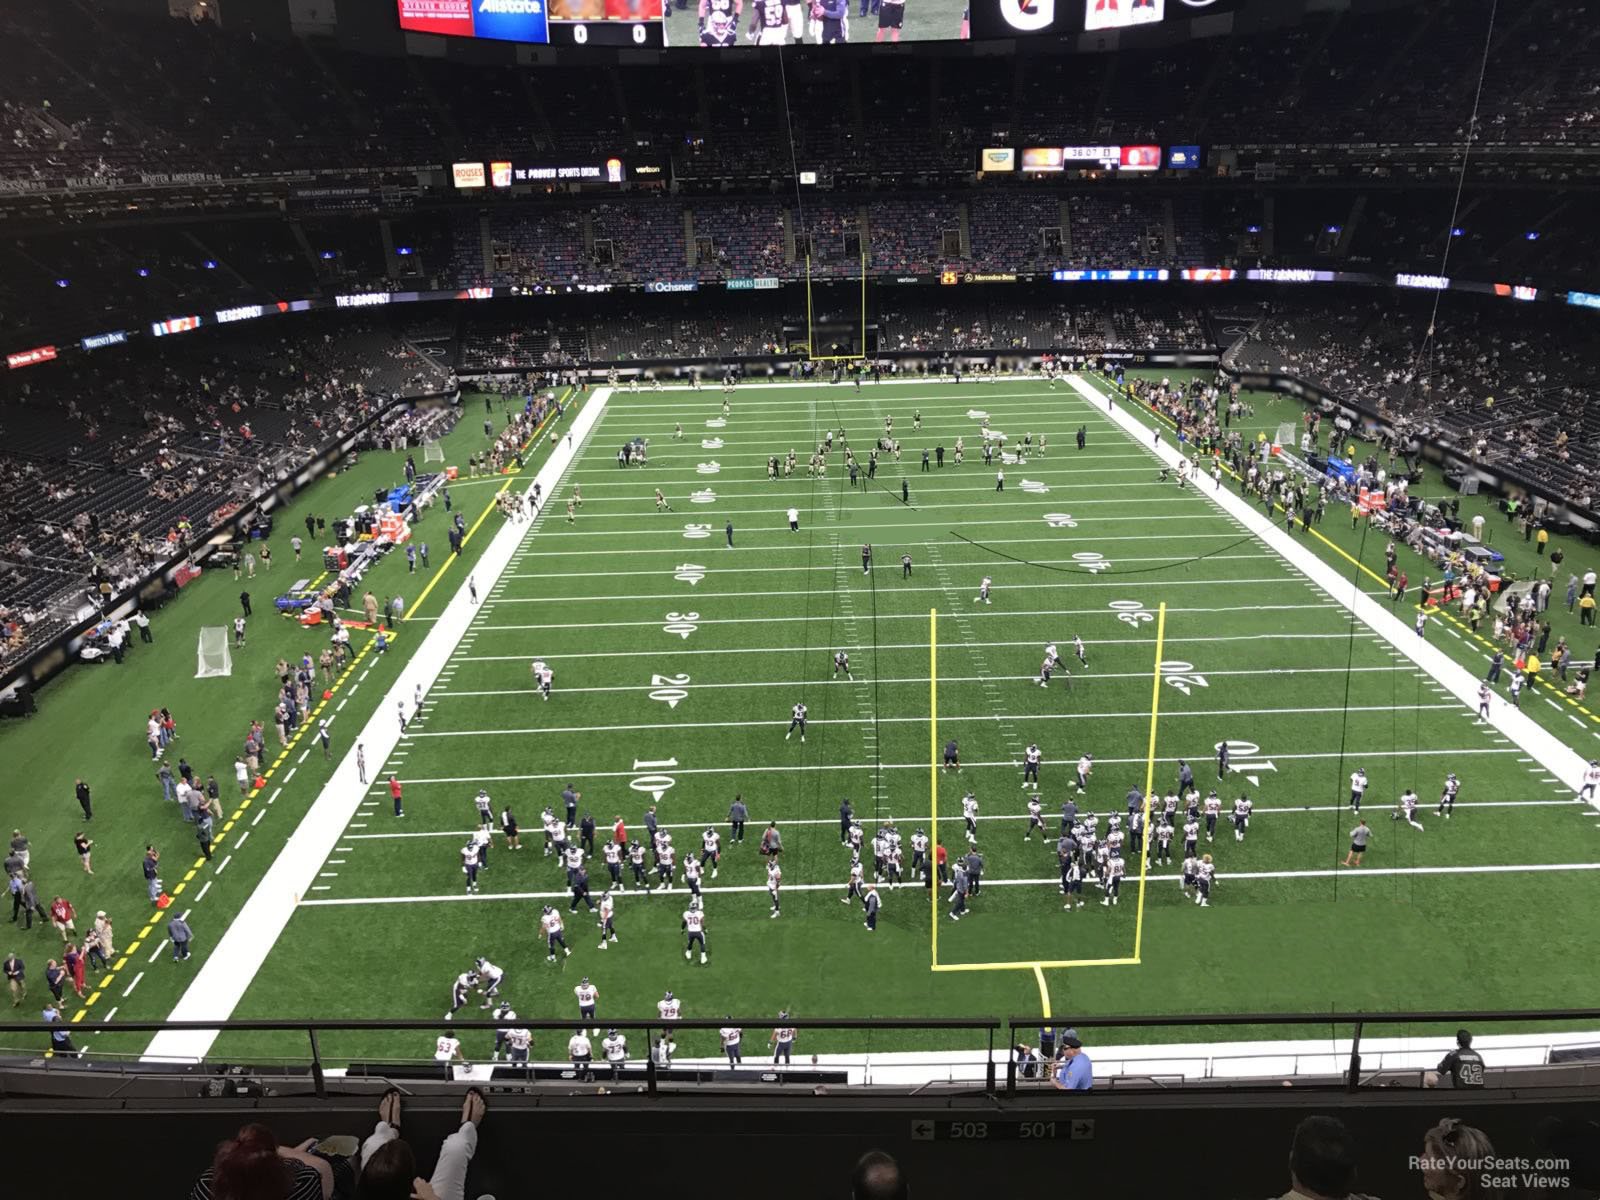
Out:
{"x": 1436, "y": 611}
{"x": 533, "y": 440}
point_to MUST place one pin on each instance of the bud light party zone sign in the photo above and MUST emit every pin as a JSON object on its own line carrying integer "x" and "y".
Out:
{"x": 501, "y": 20}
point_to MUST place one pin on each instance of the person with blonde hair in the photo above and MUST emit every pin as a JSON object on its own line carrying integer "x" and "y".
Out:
{"x": 1451, "y": 1154}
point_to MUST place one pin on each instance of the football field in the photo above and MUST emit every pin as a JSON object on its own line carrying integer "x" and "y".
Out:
{"x": 679, "y": 652}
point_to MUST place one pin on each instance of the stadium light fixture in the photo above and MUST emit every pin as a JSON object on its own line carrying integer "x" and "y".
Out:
{"x": 61, "y": 283}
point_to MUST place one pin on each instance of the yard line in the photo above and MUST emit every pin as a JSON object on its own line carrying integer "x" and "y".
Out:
{"x": 257, "y": 821}
{"x": 899, "y": 590}
{"x": 1320, "y": 606}
{"x": 993, "y": 569}
{"x": 946, "y": 720}
{"x": 128, "y": 991}
{"x": 864, "y": 681}
{"x": 923, "y": 766}
{"x": 201, "y": 894}
{"x": 775, "y": 515}
{"x": 731, "y": 488}
{"x": 156, "y": 953}
{"x": 920, "y": 647}
{"x": 109, "y": 1015}
{"x": 243, "y": 837}
{"x": 687, "y": 545}
{"x": 1168, "y": 877}
{"x": 1014, "y": 818}
{"x": 781, "y": 534}
{"x": 224, "y": 865}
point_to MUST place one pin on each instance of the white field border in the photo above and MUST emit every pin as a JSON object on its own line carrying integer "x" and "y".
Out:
{"x": 228, "y": 971}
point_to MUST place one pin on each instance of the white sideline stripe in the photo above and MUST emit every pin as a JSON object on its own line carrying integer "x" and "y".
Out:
{"x": 946, "y": 720}
{"x": 680, "y": 892}
{"x": 922, "y": 766}
{"x": 128, "y": 991}
{"x": 900, "y": 590}
{"x": 921, "y": 647}
{"x": 1319, "y": 606}
{"x": 1556, "y": 757}
{"x": 1020, "y": 820}
{"x": 218, "y": 987}
{"x": 1078, "y": 679}
{"x": 156, "y": 953}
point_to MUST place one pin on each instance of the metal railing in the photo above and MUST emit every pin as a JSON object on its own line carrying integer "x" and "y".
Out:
{"x": 991, "y": 1042}
{"x": 651, "y": 1075}
{"x": 1440, "y": 1025}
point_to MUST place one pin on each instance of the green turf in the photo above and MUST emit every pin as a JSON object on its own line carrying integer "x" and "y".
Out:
{"x": 1283, "y": 669}
{"x": 91, "y": 723}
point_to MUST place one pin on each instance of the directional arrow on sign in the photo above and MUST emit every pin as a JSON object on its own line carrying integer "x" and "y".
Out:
{"x": 922, "y": 1131}
{"x": 1082, "y": 1130}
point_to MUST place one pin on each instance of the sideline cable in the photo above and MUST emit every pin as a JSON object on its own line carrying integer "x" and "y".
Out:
{"x": 1429, "y": 344}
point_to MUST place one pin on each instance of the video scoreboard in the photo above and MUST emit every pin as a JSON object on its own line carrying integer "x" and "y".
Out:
{"x": 540, "y": 22}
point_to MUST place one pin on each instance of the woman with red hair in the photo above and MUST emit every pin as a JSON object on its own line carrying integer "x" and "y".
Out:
{"x": 252, "y": 1166}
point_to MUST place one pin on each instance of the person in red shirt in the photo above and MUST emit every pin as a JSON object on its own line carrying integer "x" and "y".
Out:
{"x": 62, "y": 917}
{"x": 939, "y": 856}
{"x": 619, "y": 831}
{"x": 394, "y": 791}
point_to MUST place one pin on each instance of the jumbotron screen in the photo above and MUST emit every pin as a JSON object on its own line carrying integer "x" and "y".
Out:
{"x": 709, "y": 24}
{"x": 723, "y": 24}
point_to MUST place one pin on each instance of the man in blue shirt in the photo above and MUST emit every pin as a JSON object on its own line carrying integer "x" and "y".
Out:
{"x": 1075, "y": 1072}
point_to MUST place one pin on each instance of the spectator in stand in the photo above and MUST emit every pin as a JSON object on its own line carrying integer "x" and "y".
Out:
{"x": 1451, "y": 1156}
{"x": 389, "y": 1168}
{"x": 1322, "y": 1161}
{"x": 878, "y": 1177}
{"x": 251, "y": 1165}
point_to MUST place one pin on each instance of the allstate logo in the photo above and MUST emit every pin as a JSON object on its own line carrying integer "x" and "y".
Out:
{"x": 1030, "y": 16}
